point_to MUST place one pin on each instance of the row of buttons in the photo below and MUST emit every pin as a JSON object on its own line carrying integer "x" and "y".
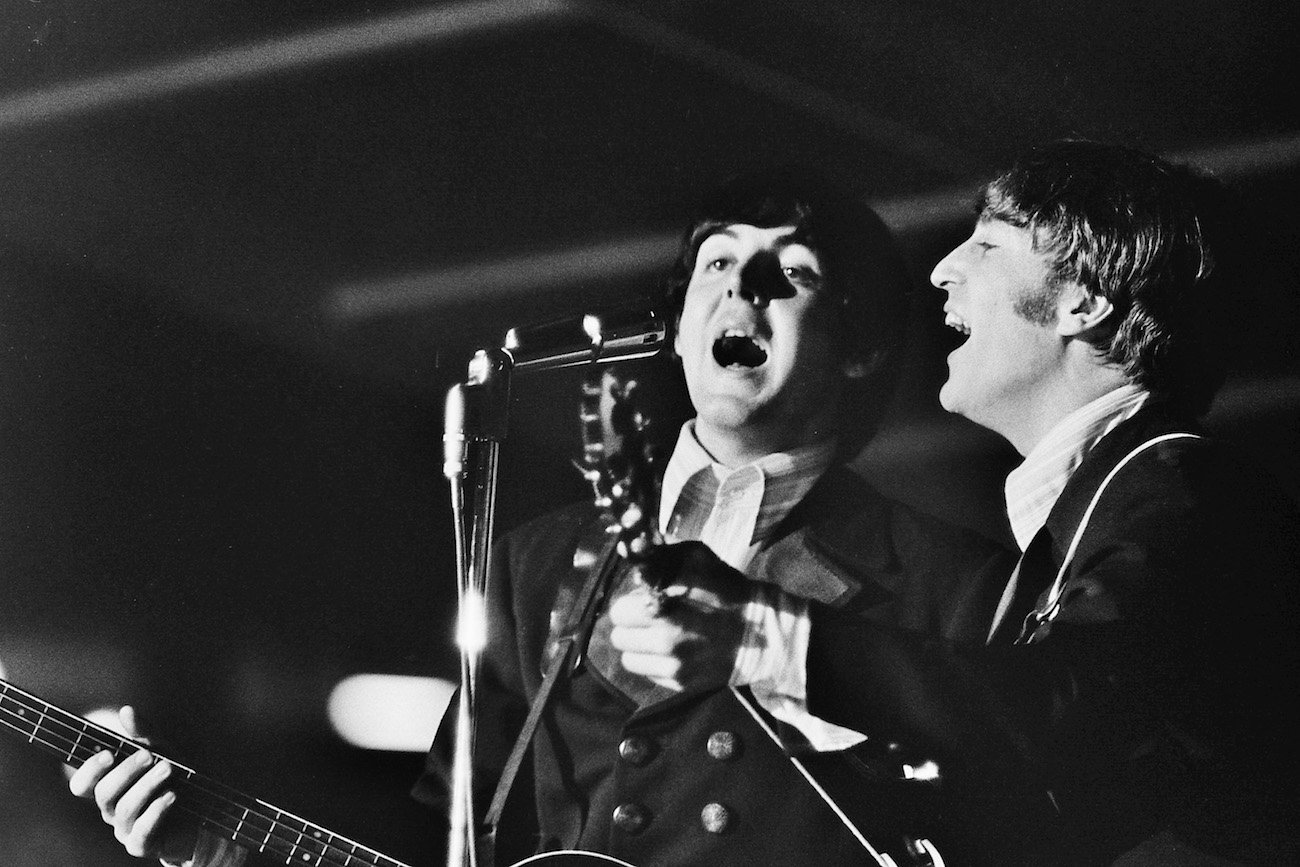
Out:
{"x": 634, "y": 818}
{"x": 636, "y": 750}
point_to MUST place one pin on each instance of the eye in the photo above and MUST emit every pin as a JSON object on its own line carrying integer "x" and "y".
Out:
{"x": 719, "y": 264}
{"x": 801, "y": 275}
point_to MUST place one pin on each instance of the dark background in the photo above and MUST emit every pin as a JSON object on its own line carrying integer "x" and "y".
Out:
{"x": 245, "y": 247}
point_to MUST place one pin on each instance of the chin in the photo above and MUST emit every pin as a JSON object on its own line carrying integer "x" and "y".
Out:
{"x": 725, "y": 413}
{"x": 947, "y": 397}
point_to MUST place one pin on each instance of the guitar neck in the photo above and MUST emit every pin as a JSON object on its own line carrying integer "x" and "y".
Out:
{"x": 253, "y": 824}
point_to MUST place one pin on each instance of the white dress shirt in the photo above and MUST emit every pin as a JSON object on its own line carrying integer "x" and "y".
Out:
{"x": 1033, "y": 488}
{"x": 733, "y": 511}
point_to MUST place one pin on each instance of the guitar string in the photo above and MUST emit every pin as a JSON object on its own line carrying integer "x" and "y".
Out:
{"x": 229, "y": 823}
{"x": 193, "y": 782}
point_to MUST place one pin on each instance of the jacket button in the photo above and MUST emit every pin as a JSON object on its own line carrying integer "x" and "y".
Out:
{"x": 723, "y": 745}
{"x": 631, "y": 818}
{"x": 635, "y": 750}
{"x": 715, "y": 818}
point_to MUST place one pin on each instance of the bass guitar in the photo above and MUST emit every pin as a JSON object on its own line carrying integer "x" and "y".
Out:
{"x": 270, "y": 831}
{"x": 250, "y": 822}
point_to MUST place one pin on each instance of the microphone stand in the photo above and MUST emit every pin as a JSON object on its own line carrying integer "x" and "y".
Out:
{"x": 475, "y": 425}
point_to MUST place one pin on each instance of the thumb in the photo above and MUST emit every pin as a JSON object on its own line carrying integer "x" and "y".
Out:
{"x": 130, "y": 723}
{"x": 703, "y": 577}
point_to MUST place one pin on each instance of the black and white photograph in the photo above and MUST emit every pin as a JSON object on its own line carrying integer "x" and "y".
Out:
{"x": 677, "y": 433}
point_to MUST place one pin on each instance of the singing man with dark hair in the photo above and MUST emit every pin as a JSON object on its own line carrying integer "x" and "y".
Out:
{"x": 683, "y": 733}
{"x": 1133, "y": 702}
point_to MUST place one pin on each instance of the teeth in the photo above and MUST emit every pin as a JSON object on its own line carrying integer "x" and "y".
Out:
{"x": 952, "y": 320}
{"x": 736, "y": 348}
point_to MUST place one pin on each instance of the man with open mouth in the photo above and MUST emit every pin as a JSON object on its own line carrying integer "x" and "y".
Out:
{"x": 1133, "y": 703}
{"x": 685, "y": 735}
{"x": 682, "y": 734}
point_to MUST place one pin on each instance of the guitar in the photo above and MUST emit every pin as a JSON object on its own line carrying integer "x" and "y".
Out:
{"x": 269, "y": 830}
{"x": 252, "y": 823}
{"x": 620, "y": 463}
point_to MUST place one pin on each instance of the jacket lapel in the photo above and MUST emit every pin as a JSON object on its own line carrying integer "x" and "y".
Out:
{"x": 1047, "y": 550}
{"x": 834, "y": 547}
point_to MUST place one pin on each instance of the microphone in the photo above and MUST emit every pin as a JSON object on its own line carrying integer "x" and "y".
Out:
{"x": 615, "y": 334}
{"x": 476, "y": 410}
{"x": 455, "y": 446}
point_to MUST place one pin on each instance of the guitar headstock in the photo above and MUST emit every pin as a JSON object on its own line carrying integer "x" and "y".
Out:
{"x": 619, "y": 461}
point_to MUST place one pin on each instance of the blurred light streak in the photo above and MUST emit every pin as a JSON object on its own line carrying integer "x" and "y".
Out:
{"x": 500, "y": 278}
{"x": 362, "y": 38}
{"x": 506, "y": 278}
{"x": 1256, "y": 398}
{"x": 271, "y": 57}
{"x": 870, "y": 127}
{"x": 393, "y": 712}
{"x": 1242, "y": 159}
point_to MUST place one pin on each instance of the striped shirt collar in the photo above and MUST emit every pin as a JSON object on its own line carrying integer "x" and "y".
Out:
{"x": 1033, "y": 488}
{"x": 734, "y": 510}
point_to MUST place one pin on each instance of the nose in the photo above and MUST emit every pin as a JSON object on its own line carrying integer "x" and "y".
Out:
{"x": 946, "y": 273}
{"x": 760, "y": 280}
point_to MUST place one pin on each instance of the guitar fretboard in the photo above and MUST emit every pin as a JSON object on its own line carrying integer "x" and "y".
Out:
{"x": 252, "y": 823}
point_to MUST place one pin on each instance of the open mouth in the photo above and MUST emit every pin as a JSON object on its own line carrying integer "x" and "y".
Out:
{"x": 956, "y": 323}
{"x": 738, "y": 350}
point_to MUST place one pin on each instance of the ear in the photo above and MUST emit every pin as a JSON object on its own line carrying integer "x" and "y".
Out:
{"x": 1079, "y": 311}
{"x": 677, "y": 336}
{"x": 860, "y": 367}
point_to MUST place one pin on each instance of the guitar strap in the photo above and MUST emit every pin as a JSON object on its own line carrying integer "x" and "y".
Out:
{"x": 587, "y": 605}
{"x": 876, "y": 855}
{"x": 1047, "y": 610}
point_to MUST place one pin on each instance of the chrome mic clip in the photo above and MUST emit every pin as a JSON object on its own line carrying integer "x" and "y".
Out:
{"x": 617, "y": 334}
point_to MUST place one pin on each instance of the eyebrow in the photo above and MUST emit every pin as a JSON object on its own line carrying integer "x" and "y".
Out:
{"x": 787, "y": 240}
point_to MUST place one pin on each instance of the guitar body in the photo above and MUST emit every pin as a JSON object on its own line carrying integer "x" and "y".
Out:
{"x": 622, "y": 467}
{"x": 570, "y": 858}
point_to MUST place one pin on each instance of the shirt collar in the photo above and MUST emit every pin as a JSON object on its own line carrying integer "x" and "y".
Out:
{"x": 1033, "y": 488}
{"x": 692, "y": 480}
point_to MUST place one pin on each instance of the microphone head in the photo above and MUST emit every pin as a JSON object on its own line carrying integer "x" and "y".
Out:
{"x": 454, "y": 443}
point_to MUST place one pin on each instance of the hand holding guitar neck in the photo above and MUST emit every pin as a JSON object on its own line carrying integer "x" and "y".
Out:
{"x": 134, "y": 798}
{"x": 682, "y": 622}
{"x": 687, "y": 634}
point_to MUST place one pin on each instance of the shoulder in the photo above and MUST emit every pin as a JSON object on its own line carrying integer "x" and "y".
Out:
{"x": 852, "y": 522}
{"x": 564, "y": 520}
{"x": 548, "y": 542}
{"x": 1183, "y": 518}
{"x": 1157, "y": 468}
{"x": 905, "y": 566}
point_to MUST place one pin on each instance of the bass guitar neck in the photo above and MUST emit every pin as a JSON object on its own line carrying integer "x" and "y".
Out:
{"x": 250, "y": 822}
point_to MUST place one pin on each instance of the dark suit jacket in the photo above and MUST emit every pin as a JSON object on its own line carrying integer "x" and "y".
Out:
{"x": 1157, "y": 706}
{"x": 845, "y": 546}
